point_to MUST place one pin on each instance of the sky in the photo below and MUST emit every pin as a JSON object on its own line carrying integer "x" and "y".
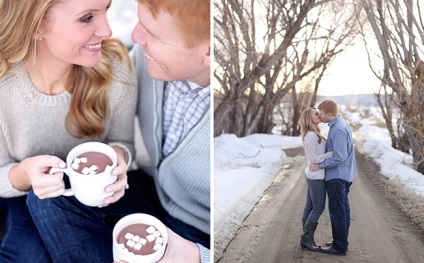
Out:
{"x": 245, "y": 167}
{"x": 349, "y": 73}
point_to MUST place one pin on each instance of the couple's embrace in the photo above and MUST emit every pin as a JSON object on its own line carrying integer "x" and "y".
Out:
{"x": 331, "y": 168}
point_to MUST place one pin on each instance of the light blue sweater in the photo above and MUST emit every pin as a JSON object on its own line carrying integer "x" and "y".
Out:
{"x": 343, "y": 164}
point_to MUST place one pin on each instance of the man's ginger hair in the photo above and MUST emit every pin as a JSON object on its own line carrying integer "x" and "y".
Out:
{"x": 193, "y": 16}
{"x": 329, "y": 106}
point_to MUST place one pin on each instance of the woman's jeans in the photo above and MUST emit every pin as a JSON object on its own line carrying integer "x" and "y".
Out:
{"x": 74, "y": 232}
{"x": 20, "y": 242}
{"x": 338, "y": 206}
{"x": 315, "y": 200}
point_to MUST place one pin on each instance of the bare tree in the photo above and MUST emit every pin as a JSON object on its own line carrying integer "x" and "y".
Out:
{"x": 398, "y": 28}
{"x": 265, "y": 49}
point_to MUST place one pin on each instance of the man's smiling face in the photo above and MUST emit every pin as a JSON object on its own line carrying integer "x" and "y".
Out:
{"x": 167, "y": 54}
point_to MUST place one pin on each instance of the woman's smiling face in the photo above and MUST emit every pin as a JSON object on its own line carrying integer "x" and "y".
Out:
{"x": 72, "y": 32}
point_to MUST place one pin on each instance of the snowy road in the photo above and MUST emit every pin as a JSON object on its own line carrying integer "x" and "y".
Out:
{"x": 271, "y": 232}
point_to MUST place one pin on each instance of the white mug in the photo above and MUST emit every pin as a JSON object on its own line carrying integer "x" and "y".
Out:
{"x": 89, "y": 189}
{"x": 139, "y": 218}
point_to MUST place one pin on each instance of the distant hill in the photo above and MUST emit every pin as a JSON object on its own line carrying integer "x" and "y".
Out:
{"x": 366, "y": 100}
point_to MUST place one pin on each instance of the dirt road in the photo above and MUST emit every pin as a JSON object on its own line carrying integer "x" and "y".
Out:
{"x": 378, "y": 233}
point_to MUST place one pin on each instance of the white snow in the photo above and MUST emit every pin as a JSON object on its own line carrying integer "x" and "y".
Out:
{"x": 244, "y": 169}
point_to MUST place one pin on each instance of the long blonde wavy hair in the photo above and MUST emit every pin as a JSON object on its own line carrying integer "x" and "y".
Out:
{"x": 19, "y": 22}
{"x": 306, "y": 125}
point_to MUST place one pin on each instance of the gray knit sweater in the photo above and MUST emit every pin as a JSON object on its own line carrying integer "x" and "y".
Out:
{"x": 183, "y": 177}
{"x": 32, "y": 123}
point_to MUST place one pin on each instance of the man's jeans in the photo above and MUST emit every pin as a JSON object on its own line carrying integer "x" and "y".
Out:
{"x": 20, "y": 242}
{"x": 74, "y": 232}
{"x": 338, "y": 206}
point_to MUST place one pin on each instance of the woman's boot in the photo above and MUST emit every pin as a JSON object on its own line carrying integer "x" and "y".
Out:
{"x": 303, "y": 225}
{"x": 307, "y": 238}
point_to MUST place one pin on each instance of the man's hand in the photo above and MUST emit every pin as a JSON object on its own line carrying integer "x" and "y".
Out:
{"x": 314, "y": 167}
{"x": 178, "y": 250}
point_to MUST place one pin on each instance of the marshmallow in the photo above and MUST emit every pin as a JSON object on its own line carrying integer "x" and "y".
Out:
{"x": 85, "y": 170}
{"x": 156, "y": 247}
{"x": 92, "y": 172}
{"x": 121, "y": 246}
{"x": 128, "y": 235}
{"x": 157, "y": 234}
{"x": 151, "y": 229}
{"x": 135, "y": 238}
{"x": 159, "y": 240}
{"x": 130, "y": 243}
{"x": 150, "y": 238}
{"x": 77, "y": 160}
{"x": 142, "y": 241}
{"x": 94, "y": 167}
{"x": 75, "y": 166}
{"x": 84, "y": 159}
{"x": 137, "y": 246}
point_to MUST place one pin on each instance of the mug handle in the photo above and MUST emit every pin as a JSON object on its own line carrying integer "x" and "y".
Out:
{"x": 68, "y": 192}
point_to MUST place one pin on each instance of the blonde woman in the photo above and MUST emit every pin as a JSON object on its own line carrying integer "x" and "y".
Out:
{"x": 62, "y": 83}
{"x": 314, "y": 145}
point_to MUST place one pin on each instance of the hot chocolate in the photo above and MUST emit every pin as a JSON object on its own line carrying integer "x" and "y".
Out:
{"x": 140, "y": 239}
{"x": 91, "y": 163}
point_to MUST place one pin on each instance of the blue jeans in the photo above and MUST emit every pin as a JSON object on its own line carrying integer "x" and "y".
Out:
{"x": 338, "y": 206}
{"x": 21, "y": 242}
{"x": 74, "y": 232}
{"x": 315, "y": 200}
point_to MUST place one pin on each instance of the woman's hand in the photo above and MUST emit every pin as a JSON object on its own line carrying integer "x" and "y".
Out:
{"x": 34, "y": 172}
{"x": 119, "y": 186}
